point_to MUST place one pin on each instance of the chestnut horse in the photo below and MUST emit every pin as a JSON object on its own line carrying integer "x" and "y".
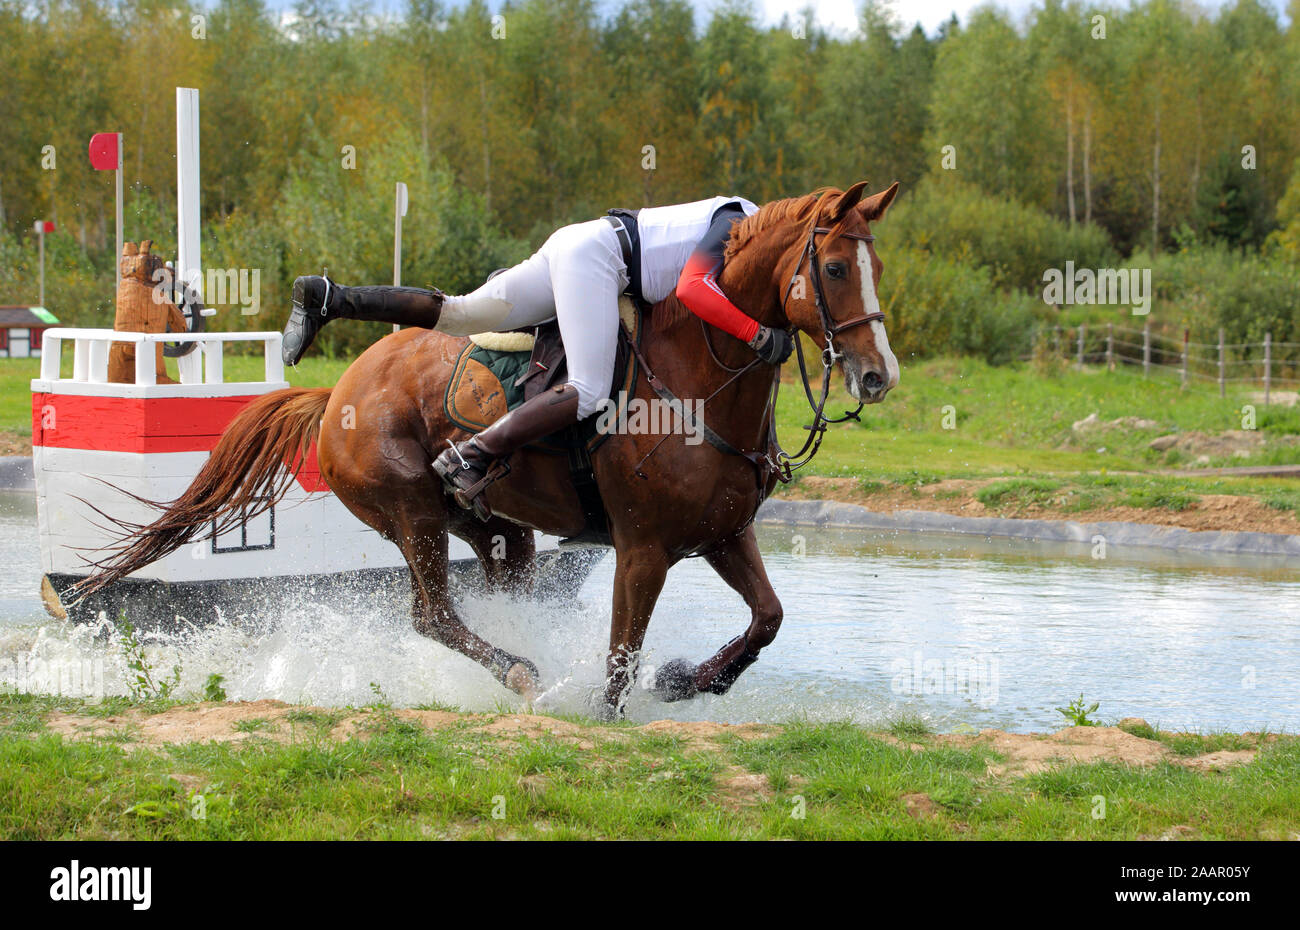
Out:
{"x": 380, "y": 427}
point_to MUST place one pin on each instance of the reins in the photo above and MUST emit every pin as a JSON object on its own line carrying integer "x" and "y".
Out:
{"x": 782, "y": 465}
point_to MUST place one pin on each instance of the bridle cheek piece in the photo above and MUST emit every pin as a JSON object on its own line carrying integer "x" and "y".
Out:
{"x": 786, "y": 464}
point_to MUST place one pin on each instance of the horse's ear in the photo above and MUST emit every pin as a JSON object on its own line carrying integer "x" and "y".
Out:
{"x": 874, "y": 207}
{"x": 128, "y": 248}
{"x": 845, "y": 202}
{"x": 145, "y": 246}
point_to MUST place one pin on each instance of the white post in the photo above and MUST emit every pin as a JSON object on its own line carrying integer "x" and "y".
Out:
{"x": 273, "y": 367}
{"x": 399, "y": 212}
{"x": 51, "y": 357}
{"x": 189, "y": 265}
{"x": 80, "y": 359}
{"x": 1268, "y": 365}
{"x": 190, "y": 367}
{"x": 1221, "y": 363}
{"x": 117, "y": 257}
{"x": 40, "y": 240}
{"x": 146, "y": 359}
{"x": 97, "y": 361}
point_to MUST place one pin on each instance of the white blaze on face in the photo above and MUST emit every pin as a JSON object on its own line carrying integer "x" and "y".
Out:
{"x": 871, "y": 304}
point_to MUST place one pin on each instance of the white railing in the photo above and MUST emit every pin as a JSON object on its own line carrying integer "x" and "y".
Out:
{"x": 202, "y": 366}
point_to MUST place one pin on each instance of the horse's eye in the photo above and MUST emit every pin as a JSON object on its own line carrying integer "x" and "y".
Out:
{"x": 835, "y": 270}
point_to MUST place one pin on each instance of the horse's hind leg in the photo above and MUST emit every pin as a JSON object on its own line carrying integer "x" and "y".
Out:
{"x": 420, "y": 530}
{"x": 738, "y": 562}
{"x": 505, "y": 550}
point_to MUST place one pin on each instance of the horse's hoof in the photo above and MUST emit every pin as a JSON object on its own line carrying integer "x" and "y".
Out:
{"x": 674, "y": 681}
{"x": 606, "y": 712}
{"x": 524, "y": 680}
{"x": 516, "y": 673}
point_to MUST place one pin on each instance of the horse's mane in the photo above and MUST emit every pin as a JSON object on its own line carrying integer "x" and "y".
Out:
{"x": 801, "y": 212}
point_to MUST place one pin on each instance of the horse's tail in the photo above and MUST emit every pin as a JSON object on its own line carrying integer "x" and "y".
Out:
{"x": 251, "y": 469}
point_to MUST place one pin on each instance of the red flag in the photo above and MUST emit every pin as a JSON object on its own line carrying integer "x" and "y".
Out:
{"x": 105, "y": 151}
{"x": 44, "y": 226}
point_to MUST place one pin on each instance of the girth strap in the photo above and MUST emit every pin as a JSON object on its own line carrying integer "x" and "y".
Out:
{"x": 583, "y": 477}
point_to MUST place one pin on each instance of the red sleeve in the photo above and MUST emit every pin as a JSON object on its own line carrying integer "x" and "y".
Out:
{"x": 698, "y": 289}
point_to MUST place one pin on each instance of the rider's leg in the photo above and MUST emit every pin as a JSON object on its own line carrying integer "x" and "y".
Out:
{"x": 586, "y": 276}
{"x": 520, "y": 296}
{"x": 587, "y": 280}
{"x": 317, "y": 300}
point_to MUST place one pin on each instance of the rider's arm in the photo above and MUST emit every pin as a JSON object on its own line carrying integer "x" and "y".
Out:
{"x": 697, "y": 287}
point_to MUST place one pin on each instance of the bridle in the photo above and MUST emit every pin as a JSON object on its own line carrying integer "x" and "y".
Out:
{"x": 782, "y": 464}
{"x": 785, "y": 463}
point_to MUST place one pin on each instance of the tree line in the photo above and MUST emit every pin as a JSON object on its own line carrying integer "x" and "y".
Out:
{"x": 1144, "y": 130}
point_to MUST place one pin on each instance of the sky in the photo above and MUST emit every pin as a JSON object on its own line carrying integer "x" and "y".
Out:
{"x": 838, "y": 15}
{"x": 842, "y": 14}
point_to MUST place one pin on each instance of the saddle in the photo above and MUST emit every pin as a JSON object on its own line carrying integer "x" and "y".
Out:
{"x": 497, "y": 372}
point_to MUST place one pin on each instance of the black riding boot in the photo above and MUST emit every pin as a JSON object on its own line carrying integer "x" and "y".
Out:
{"x": 467, "y": 468}
{"x": 317, "y": 300}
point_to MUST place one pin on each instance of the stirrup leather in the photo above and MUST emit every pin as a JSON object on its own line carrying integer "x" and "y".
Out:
{"x": 460, "y": 481}
{"x": 468, "y": 497}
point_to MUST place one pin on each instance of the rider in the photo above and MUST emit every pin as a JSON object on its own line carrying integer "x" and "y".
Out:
{"x": 576, "y": 277}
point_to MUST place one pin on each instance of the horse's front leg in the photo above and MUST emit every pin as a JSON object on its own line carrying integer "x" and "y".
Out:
{"x": 738, "y": 562}
{"x": 638, "y": 579}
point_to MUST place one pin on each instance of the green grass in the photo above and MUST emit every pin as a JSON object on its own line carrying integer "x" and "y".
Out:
{"x": 401, "y": 781}
{"x": 16, "y": 376}
{"x": 1010, "y": 422}
{"x": 1092, "y": 492}
{"x": 1013, "y": 423}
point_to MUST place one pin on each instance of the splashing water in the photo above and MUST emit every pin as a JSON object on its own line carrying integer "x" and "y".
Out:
{"x": 957, "y": 632}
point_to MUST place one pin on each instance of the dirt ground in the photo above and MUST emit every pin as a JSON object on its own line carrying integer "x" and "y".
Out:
{"x": 1022, "y": 753}
{"x": 13, "y": 444}
{"x": 957, "y": 496}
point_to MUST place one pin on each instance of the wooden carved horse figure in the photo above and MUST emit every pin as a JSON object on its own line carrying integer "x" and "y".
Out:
{"x": 805, "y": 263}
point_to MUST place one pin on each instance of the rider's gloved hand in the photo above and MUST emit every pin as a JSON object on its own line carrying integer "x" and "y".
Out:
{"x": 772, "y": 345}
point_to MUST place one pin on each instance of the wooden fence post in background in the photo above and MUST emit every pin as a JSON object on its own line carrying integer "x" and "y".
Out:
{"x": 1083, "y": 328}
{"x": 1220, "y": 361}
{"x": 1110, "y": 346}
{"x": 1268, "y": 365}
{"x": 1187, "y": 335}
{"x": 1146, "y": 348}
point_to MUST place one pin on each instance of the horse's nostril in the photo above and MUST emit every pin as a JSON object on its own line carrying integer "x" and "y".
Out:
{"x": 872, "y": 382}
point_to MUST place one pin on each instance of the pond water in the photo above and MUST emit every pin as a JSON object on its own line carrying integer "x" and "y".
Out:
{"x": 958, "y": 631}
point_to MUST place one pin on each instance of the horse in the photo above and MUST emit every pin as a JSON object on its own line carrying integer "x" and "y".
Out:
{"x": 378, "y": 429}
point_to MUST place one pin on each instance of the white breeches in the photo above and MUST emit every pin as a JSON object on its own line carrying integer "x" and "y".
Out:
{"x": 576, "y": 277}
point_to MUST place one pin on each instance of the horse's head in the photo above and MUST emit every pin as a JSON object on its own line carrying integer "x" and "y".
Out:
{"x": 827, "y": 274}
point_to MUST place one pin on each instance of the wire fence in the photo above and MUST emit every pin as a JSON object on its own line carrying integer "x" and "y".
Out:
{"x": 1268, "y": 366}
